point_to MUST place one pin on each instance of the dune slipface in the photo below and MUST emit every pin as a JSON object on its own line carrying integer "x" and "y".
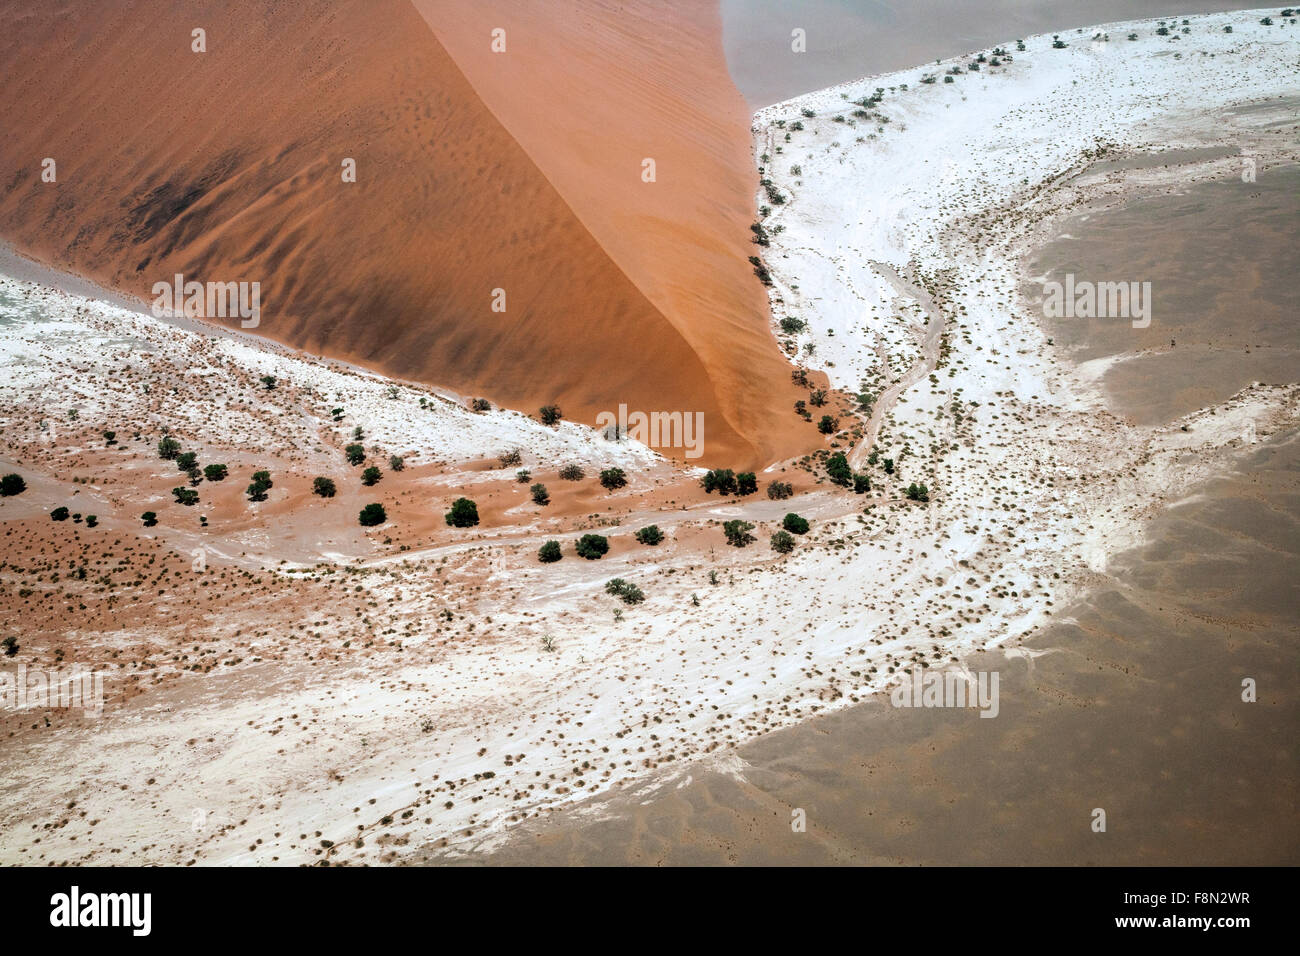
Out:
{"x": 593, "y": 89}
{"x": 225, "y": 165}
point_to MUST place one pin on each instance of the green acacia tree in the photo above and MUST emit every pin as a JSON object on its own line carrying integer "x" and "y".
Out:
{"x": 593, "y": 546}
{"x": 738, "y": 533}
{"x": 650, "y": 535}
{"x": 463, "y": 514}
{"x": 782, "y": 542}
{"x": 838, "y": 470}
{"x": 795, "y": 524}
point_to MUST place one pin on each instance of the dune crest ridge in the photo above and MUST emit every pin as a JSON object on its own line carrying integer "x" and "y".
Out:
{"x": 396, "y": 271}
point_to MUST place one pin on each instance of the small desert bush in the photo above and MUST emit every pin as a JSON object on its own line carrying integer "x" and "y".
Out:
{"x": 782, "y": 542}
{"x": 738, "y": 532}
{"x": 779, "y": 490}
{"x": 795, "y": 524}
{"x": 593, "y": 546}
{"x": 463, "y": 513}
{"x": 650, "y": 535}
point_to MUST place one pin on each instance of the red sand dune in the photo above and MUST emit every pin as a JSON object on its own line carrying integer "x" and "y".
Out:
{"x": 225, "y": 166}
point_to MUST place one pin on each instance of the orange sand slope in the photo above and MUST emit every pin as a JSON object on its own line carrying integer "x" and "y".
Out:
{"x": 226, "y": 166}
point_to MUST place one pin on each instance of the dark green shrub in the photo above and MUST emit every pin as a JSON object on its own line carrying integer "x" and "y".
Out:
{"x": 356, "y": 454}
{"x": 721, "y": 480}
{"x": 795, "y": 524}
{"x": 738, "y": 532}
{"x": 540, "y": 495}
{"x": 746, "y": 483}
{"x": 372, "y": 515}
{"x": 323, "y": 487}
{"x": 572, "y": 473}
{"x": 779, "y": 490}
{"x": 214, "y": 472}
{"x": 549, "y": 552}
{"x": 463, "y": 513}
{"x": 12, "y": 484}
{"x": 613, "y": 478}
{"x": 629, "y": 593}
{"x": 149, "y": 518}
{"x": 838, "y": 470}
{"x": 782, "y": 543}
{"x": 593, "y": 546}
{"x": 650, "y": 535}
{"x": 371, "y": 476}
{"x": 186, "y": 496}
{"x": 168, "y": 447}
{"x": 261, "y": 484}
{"x": 59, "y": 514}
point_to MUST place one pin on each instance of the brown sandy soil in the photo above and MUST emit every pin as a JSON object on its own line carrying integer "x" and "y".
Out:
{"x": 1204, "y": 346}
{"x": 225, "y": 166}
